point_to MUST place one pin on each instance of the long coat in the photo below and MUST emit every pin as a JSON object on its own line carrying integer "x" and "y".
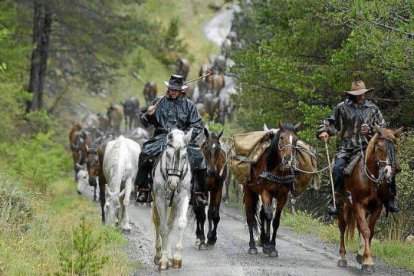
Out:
{"x": 180, "y": 113}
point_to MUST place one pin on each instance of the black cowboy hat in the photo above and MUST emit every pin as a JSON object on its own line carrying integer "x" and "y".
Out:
{"x": 176, "y": 82}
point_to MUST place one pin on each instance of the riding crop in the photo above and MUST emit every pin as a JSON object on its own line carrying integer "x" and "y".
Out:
{"x": 330, "y": 173}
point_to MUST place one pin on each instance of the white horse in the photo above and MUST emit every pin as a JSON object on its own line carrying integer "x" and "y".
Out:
{"x": 172, "y": 185}
{"x": 120, "y": 167}
{"x": 82, "y": 180}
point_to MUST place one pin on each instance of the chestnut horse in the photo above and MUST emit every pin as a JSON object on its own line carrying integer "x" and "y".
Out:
{"x": 281, "y": 155}
{"x": 368, "y": 191}
{"x": 216, "y": 175}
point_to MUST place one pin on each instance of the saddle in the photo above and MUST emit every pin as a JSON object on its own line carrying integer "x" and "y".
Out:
{"x": 354, "y": 161}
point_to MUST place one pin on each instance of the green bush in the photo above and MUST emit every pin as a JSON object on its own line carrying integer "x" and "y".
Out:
{"x": 38, "y": 161}
{"x": 81, "y": 258}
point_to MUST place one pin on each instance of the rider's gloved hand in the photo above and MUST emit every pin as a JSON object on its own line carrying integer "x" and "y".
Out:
{"x": 324, "y": 136}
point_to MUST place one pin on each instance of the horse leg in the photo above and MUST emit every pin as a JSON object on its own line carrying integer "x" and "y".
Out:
{"x": 342, "y": 262}
{"x": 124, "y": 223}
{"x": 164, "y": 230}
{"x": 156, "y": 221}
{"x": 214, "y": 214}
{"x": 267, "y": 214}
{"x": 281, "y": 201}
{"x": 200, "y": 213}
{"x": 250, "y": 205}
{"x": 368, "y": 262}
{"x": 102, "y": 197}
{"x": 182, "y": 224}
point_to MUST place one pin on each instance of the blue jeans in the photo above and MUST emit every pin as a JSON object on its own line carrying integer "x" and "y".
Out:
{"x": 338, "y": 172}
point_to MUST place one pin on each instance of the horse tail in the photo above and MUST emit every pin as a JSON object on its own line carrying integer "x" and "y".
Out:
{"x": 350, "y": 220}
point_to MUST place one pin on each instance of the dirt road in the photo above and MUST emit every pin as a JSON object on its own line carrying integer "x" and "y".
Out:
{"x": 297, "y": 255}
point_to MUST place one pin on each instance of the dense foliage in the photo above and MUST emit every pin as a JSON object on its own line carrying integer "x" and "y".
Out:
{"x": 299, "y": 56}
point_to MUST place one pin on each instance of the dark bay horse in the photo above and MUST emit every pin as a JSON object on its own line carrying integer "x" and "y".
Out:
{"x": 182, "y": 67}
{"x": 216, "y": 175}
{"x": 281, "y": 157}
{"x": 369, "y": 190}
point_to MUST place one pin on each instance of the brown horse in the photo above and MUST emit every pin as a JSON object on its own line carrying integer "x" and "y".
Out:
{"x": 74, "y": 147}
{"x": 93, "y": 164}
{"x": 150, "y": 92}
{"x": 368, "y": 190}
{"x": 216, "y": 175}
{"x": 280, "y": 158}
{"x": 215, "y": 82}
{"x": 115, "y": 115}
{"x": 182, "y": 67}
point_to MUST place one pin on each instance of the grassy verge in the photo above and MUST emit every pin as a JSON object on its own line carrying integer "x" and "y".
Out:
{"x": 396, "y": 253}
{"x": 33, "y": 245}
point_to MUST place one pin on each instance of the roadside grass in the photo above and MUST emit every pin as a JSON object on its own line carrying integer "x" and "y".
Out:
{"x": 35, "y": 250}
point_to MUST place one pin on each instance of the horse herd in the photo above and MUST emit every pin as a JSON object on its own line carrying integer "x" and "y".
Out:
{"x": 109, "y": 163}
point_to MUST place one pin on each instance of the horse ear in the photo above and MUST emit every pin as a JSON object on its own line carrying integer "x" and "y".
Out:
{"x": 265, "y": 128}
{"x": 206, "y": 133}
{"x": 279, "y": 125}
{"x": 398, "y": 131}
{"x": 297, "y": 126}
{"x": 221, "y": 133}
{"x": 170, "y": 137}
{"x": 187, "y": 137}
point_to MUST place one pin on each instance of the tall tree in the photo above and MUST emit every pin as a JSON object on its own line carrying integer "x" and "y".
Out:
{"x": 42, "y": 26}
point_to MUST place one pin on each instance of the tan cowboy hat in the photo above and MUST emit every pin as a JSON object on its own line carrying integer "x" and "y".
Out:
{"x": 358, "y": 88}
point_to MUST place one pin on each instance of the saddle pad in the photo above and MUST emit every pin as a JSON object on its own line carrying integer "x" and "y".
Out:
{"x": 354, "y": 161}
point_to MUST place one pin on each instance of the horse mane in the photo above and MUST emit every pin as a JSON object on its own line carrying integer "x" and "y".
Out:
{"x": 384, "y": 132}
{"x": 272, "y": 154}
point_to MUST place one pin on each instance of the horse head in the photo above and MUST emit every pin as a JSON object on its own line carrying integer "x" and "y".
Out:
{"x": 82, "y": 180}
{"x": 286, "y": 140}
{"x": 211, "y": 149}
{"x": 174, "y": 161}
{"x": 112, "y": 204}
{"x": 93, "y": 165}
{"x": 383, "y": 148}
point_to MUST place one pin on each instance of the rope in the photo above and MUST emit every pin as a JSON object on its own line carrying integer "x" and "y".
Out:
{"x": 308, "y": 172}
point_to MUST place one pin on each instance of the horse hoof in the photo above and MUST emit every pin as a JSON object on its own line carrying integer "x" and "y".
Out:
{"x": 360, "y": 258}
{"x": 342, "y": 263}
{"x": 273, "y": 254}
{"x": 126, "y": 231}
{"x": 157, "y": 260}
{"x": 210, "y": 246}
{"x": 202, "y": 246}
{"x": 252, "y": 250}
{"x": 197, "y": 242}
{"x": 163, "y": 266}
{"x": 266, "y": 249}
{"x": 177, "y": 263}
{"x": 368, "y": 268}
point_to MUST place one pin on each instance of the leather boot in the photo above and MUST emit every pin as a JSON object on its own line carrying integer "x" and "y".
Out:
{"x": 142, "y": 180}
{"x": 200, "y": 187}
{"x": 392, "y": 204}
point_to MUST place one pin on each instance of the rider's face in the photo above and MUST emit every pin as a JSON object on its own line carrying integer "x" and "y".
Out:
{"x": 360, "y": 98}
{"x": 174, "y": 93}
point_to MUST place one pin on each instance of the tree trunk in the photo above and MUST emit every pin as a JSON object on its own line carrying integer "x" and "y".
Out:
{"x": 42, "y": 22}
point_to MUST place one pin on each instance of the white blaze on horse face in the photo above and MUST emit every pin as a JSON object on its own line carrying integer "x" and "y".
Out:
{"x": 82, "y": 181}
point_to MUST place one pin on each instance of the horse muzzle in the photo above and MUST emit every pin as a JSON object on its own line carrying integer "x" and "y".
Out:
{"x": 92, "y": 182}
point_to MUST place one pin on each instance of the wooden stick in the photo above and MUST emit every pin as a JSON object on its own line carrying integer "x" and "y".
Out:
{"x": 330, "y": 173}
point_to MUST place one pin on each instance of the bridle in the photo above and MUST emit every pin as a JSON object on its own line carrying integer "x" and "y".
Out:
{"x": 382, "y": 164}
{"x": 175, "y": 168}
